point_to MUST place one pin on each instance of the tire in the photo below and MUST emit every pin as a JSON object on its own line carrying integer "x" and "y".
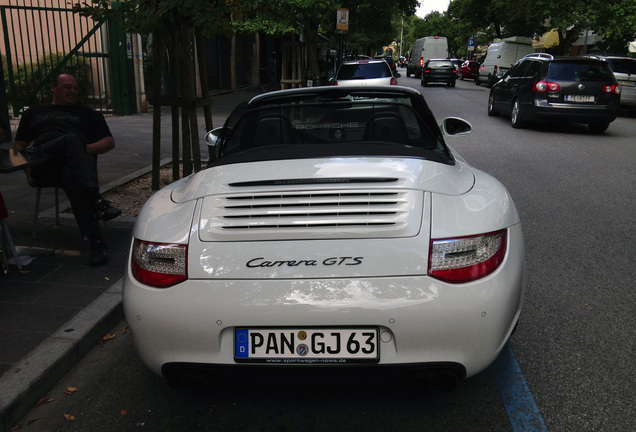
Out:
{"x": 492, "y": 112}
{"x": 515, "y": 116}
{"x": 598, "y": 128}
{"x": 424, "y": 83}
{"x": 452, "y": 83}
{"x": 477, "y": 80}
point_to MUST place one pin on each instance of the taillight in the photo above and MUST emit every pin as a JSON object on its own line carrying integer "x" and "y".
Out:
{"x": 542, "y": 86}
{"x": 421, "y": 61}
{"x": 465, "y": 259}
{"x": 393, "y": 81}
{"x": 613, "y": 88}
{"x": 494, "y": 71}
{"x": 159, "y": 265}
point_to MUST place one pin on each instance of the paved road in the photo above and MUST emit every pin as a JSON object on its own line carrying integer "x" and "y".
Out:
{"x": 574, "y": 346}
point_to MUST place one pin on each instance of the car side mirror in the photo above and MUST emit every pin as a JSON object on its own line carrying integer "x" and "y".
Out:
{"x": 212, "y": 139}
{"x": 454, "y": 126}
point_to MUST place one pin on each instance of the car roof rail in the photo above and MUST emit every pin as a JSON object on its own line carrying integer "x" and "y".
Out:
{"x": 539, "y": 55}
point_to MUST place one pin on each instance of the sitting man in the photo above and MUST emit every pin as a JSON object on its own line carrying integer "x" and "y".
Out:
{"x": 71, "y": 136}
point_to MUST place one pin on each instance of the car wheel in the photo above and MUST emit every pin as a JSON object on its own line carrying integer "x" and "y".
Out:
{"x": 515, "y": 117}
{"x": 489, "y": 81}
{"x": 424, "y": 83}
{"x": 598, "y": 127}
{"x": 492, "y": 112}
{"x": 477, "y": 80}
{"x": 452, "y": 83}
{"x": 460, "y": 76}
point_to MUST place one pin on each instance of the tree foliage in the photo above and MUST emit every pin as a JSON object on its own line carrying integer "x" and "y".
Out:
{"x": 614, "y": 20}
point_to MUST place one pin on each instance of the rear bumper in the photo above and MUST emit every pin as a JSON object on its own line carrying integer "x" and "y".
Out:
{"x": 544, "y": 111}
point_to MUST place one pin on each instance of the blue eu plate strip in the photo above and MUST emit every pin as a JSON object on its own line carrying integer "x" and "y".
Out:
{"x": 241, "y": 339}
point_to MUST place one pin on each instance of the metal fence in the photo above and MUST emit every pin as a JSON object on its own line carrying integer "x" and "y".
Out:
{"x": 41, "y": 38}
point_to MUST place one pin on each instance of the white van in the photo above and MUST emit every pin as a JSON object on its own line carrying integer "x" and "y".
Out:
{"x": 424, "y": 49}
{"x": 501, "y": 56}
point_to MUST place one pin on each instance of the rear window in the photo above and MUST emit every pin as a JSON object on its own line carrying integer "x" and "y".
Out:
{"x": 569, "y": 71}
{"x": 364, "y": 71}
{"x": 627, "y": 66}
{"x": 440, "y": 64}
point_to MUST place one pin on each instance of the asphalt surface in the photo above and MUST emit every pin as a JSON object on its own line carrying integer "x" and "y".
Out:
{"x": 57, "y": 307}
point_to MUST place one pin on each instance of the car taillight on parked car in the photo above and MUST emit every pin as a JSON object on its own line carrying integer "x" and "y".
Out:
{"x": 612, "y": 88}
{"x": 393, "y": 81}
{"x": 465, "y": 259}
{"x": 542, "y": 86}
{"x": 159, "y": 265}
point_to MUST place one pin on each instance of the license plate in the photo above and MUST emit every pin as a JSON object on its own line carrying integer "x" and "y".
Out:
{"x": 579, "y": 98}
{"x": 627, "y": 83}
{"x": 306, "y": 345}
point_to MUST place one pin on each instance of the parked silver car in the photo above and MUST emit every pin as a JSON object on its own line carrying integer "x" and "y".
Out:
{"x": 624, "y": 69}
{"x": 365, "y": 72}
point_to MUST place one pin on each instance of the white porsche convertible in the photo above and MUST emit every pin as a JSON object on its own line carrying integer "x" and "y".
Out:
{"x": 333, "y": 228}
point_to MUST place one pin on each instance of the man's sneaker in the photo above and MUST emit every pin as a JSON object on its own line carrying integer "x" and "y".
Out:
{"x": 99, "y": 253}
{"x": 104, "y": 211}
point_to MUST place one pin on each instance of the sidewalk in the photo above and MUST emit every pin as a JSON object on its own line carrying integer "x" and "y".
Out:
{"x": 58, "y": 306}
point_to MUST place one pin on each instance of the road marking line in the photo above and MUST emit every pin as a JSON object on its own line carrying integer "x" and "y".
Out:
{"x": 522, "y": 409}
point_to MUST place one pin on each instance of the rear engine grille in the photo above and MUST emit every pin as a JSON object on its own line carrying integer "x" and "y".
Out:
{"x": 356, "y": 213}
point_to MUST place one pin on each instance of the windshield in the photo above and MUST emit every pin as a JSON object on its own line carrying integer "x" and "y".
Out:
{"x": 320, "y": 128}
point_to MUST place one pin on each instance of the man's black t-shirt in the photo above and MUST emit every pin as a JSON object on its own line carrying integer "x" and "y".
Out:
{"x": 47, "y": 122}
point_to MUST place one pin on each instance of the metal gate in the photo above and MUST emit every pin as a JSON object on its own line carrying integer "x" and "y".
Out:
{"x": 42, "y": 38}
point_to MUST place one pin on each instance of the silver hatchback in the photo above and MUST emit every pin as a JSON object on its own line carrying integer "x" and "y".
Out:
{"x": 624, "y": 69}
{"x": 365, "y": 72}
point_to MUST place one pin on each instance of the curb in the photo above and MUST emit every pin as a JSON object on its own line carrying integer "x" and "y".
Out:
{"x": 23, "y": 385}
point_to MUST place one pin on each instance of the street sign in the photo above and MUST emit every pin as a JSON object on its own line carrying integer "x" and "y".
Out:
{"x": 471, "y": 44}
{"x": 342, "y": 20}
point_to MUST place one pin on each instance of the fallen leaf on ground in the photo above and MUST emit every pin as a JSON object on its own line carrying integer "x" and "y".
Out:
{"x": 69, "y": 417}
{"x": 16, "y": 427}
{"x": 107, "y": 338}
{"x": 33, "y": 421}
{"x": 124, "y": 411}
{"x": 44, "y": 400}
{"x": 70, "y": 390}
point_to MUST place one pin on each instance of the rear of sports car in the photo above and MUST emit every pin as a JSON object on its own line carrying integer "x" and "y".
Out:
{"x": 333, "y": 262}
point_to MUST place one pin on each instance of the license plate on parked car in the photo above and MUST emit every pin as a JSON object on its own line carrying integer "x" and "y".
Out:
{"x": 579, "y": 98}
{"x": 306, "y": 345}
{"x": 627, "y": 83}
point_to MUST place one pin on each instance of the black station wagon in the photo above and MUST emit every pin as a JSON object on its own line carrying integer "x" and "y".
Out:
{"x": 543, "y": 88}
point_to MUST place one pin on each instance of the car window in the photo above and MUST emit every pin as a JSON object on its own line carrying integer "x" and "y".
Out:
{"x": 533, "y": 68}
{"x": 364, "y": 71}
{"x": 569, "y": 71}
{"x": 627, "y": 66}
{"x": 519, "y": 70}
{"x": 440, "y": 64}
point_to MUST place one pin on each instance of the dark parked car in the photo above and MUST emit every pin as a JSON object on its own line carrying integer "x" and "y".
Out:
{"x": 439, "y": 71}
{"x": 389, "y": 60}
{"x": 569, "y": 89}
{"x": 469, "y": 69}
